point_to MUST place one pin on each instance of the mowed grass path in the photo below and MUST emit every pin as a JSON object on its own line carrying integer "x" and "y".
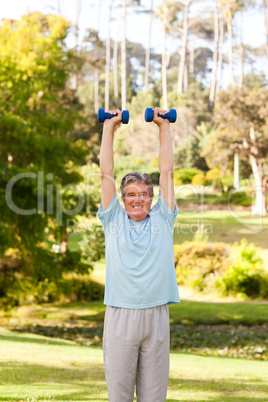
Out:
{"x": 37, "y": 368}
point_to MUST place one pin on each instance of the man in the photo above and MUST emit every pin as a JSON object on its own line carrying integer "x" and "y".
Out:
{"x": 140, "y": 273}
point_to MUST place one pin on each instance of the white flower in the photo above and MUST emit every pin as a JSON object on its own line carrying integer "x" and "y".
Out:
{"x": 56, "y": 248}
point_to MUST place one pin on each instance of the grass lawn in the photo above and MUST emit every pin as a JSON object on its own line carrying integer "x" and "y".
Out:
{"x": 222, "y": 226}
{"x": 186, "y": 312}
{"x": 37, "y": 368}
{"x": 218, "y": 348}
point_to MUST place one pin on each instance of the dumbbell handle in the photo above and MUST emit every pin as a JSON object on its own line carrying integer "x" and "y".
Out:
{"x": 102, "y": 116}
{"x": 171, "y": 115}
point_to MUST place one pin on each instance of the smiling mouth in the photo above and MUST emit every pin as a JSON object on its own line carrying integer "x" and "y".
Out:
{"x": 137, "y": 206}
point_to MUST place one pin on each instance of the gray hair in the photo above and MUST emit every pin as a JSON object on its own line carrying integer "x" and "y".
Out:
{"x": 137, "y": 177}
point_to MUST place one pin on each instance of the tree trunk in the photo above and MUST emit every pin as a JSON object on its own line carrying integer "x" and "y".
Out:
{"x": 191, "y": 51}
{"x": 115, "y": 58}
{"x": 108, "y": 59}
{"x": 96, "y": 71}
{"x": 164, "y": 73}
{"x": 107, "y": 73}
{"x": 123, "y": 58}
{"x": 96, "y": 90}
{"x": 264, "y": 193}
{"x": 215, "y": 58}
{"x": 75, "y": 73}
{"x": 184, "y": 46}
{"x": 241, "y": 52}
{"x": 185, "y": 78}
{"x": 236, "y": 171}
{"x": 147, "y": 55}
{"x": 230, "y": 49}
{"x": 168, "y": 53}
{"x": 221, "y": 37}
{"x": 260, "y": 207}
{"x": 265, "y": 4}
{"x": 59, "y": 7}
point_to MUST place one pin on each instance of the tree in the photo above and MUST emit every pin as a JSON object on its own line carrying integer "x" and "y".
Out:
{"x": 183, "y": 52}
{"x": 265, "y": 6}
{"x": 215, "y": 58}
{"x": 229, "y": 7}
{"x": 39, "y": 116}
{"x": 147, "y": 55}
{"x": 108, "y": 58}
{"x": 242, "y": 118}
{"x": 167, "y": 12}
{"x": 94, "y": 61}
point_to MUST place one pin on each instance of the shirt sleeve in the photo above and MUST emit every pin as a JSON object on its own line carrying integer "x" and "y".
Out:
{"x": 108, "y": 215}
{"x": 165, "y": 211}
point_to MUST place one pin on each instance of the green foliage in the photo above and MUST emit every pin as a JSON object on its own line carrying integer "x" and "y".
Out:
{"x": 39, "y": 115}
{"x": 253, "y": 80}
{"x": 217, "y": 268}
{"x": 155, "y": 177}
{"x": 91, "y": 186}
{"x": 127, "y": 164}
{"x": 185, "y": 176}
{"x": 238, "y": 198}
{"x": 236, "y": 111}
{"x": 199, "y": 179}
{"x": 40, "y": 278}
{"x": 246, "y": 274}
{"x": 78, "y": 287}
{"x": 92, "y": 244}
{"x": 197, "y": 261}
{"x": 226, "y": 198}
{"x": 139, "y": 101}
{"x": 189, "y": 153}
{"x": 196, "y": 100}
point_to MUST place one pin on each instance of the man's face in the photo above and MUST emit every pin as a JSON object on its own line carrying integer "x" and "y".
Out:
{"x": 137, "y": 201}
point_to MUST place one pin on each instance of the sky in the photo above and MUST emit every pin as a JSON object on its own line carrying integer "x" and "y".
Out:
{"x": 94, "y": 14}
{"x": 137, "y": 24}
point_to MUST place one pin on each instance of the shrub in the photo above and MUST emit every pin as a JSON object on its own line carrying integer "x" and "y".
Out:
{"x": 245, "y": 275}
{"x": 195, "y": 261}
{"x": 126, "y": 164}
{"x": 239, "y": 198}
{"x": 185, "y": 176}
{"x": 92, "y": 244}
{"x": 213, "y": 175}
{"x": 77, "y": 287}
{"x": 218, "y": 268}
{"x": 242, "y": 277}
{"x": 199, "y": 179}
{"x": 155, "y": 177}
{"x": 22, "y": 283}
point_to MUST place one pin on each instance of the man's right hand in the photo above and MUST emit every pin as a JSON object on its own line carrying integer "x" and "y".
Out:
{"x": 114, "y": 121}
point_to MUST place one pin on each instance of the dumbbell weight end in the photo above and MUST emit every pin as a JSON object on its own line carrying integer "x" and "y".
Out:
{"x": 102, "y": 116}
{"x": 171, "y": 115}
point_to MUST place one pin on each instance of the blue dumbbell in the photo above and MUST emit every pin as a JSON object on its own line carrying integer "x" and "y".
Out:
{"x": 102, "y": 115}
{"x": 171, "y": 115}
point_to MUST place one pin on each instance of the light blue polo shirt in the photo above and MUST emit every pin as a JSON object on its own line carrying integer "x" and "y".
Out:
{"x": 140, "y": 270}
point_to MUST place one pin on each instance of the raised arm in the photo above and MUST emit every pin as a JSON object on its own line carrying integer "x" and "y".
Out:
{"x": 108, "y": 188}
{"x": 165, "y": 162}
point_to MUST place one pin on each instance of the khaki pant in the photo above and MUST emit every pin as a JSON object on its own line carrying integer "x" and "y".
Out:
{"x": 136, "y": 352}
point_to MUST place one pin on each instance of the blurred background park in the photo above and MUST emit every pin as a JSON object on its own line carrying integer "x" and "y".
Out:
{"x": 60, "y": 61}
